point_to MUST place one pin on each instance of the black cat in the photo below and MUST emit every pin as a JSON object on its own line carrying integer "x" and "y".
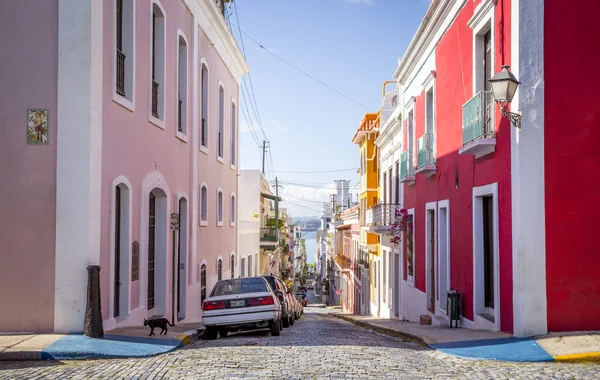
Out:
{"x": 163, "y": 323}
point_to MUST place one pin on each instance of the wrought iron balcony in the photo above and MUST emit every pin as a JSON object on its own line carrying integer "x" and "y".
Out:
{"x": 407, "y": 168}
{"x": 268, "y": 234}
{"x": 120, "y": 73}
{"x": 426, "y": 154}
{"x": 155, "y": 87}
{"x": 478, "y": 134}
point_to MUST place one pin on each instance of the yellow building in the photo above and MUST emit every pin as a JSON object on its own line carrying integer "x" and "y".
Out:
{"x": 365, "y": 137}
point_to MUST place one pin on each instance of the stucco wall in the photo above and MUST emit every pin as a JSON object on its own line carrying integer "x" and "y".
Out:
{"x": 572, "y": 164}
{"x": 456, "y": 175}
{"x": 28, "y": 202}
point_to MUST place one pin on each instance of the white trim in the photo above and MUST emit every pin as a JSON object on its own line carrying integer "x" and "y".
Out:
{"x": 484, "y": 22}
{"x": 125, "y": 249}
{"x": 203, "y": 222}
{"x": 198, "y": 279}
{"x": 194, "y": 158}
{"x": 204, "y": 148}
{"x": 183, "y": 245}
{"x": 411, "y": 107}
{"x": 478, "y": 280}
{"x": 530, "y": 309}
{"x": 233, "y": 139}
{"x": 445, "y": 204}
{"x": 431, "y": 206}
{"x": 232, "y": 223}
{"x": 481, "y": 14}
{"x": 219, "y": 35}
{"x": 153, "y": 180}
{"x": 123, "y": 101}
{"x": 220, "y": 121}
{"x": 186, "y": 99}
{"x": 220, "y": 222}
{"x": 217, "y": 269}
{"x": 411, "y": 279}
{"x": 158, "y": 121}
{"x": 430, "y": 84}
{"x": 78, "y": 158}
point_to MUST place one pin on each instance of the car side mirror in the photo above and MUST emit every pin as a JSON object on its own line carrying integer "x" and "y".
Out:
{"x": 279, "y": 295}
{"x": 289, "y": 291}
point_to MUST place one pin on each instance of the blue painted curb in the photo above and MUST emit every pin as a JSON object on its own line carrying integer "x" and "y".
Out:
{"x": 73, "y": 347}
{"x": 505, "y": 349}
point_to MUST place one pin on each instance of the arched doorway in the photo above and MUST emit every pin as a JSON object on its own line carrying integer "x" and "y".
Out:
{"x": 157, "y": 252}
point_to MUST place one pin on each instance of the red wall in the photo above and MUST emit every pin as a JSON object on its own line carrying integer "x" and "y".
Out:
{"x": 572, "y": 164}
{"x": 454, "y": 68}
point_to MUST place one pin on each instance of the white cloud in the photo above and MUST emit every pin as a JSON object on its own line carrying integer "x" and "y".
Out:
{"x": 365, "y": 2}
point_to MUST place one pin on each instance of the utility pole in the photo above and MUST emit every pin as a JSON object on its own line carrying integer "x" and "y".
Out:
{"x": 276, "y": 187}
{"x": 263, "y": 160}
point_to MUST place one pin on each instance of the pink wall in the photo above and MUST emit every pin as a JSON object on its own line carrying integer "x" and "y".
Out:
{"x": 29, "y": 75}
{"x": 572, "y": 165}
{"x": 453, "y": 88}
{"x": 214, "y": 241}
{"x": 134, "y": 147}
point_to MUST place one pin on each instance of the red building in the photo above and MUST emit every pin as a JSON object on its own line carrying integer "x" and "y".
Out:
{"x": 501, "y": 214}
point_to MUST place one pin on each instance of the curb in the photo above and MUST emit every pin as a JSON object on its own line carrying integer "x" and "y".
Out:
{"x": 587, "y": 357}
{"x": 423, "y": 341}
{"x": 186, "y": 338}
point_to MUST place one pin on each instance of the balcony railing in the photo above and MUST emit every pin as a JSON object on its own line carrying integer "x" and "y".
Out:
{"x": 268, "y": 234}
{"x": 384, "y": 215}
{"x": 120, "y": 73}
{"x": 155, "y": 99}
{"x": 476, "y": 118}
{"x": 425, "y": 155}
{"x": 407, "y": 168}
{"x": 179, "y": 119}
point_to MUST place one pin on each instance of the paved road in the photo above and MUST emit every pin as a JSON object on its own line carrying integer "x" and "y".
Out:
{"x": 318, "y": 346}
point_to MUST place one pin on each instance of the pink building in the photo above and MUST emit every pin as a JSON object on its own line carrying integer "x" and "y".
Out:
{"x": 121, "y": 112}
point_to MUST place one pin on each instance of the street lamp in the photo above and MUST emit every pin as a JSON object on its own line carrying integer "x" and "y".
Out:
{"x": 504, "y": 85}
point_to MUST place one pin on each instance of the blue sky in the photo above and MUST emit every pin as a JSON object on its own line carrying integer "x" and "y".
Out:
{"x": 352, "y": 46}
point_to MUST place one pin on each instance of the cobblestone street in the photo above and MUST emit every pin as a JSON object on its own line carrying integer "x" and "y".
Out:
{"x": 317, "y": 346}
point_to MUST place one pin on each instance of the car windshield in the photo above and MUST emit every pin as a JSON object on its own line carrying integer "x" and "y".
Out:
{"x": 239, "y": 285}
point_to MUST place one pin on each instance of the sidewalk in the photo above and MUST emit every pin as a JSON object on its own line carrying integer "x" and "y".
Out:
{"x": 126, "y": 342}
{"x": 489, "y": 345}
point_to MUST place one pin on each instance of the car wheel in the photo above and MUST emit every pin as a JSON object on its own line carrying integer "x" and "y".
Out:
{"x": 274, "y": 327}
{"x": 210, "y": 333}
{"x": 281, "y": 324}
{"x": 223, "y": 333}
{"x": 292, "y": 319}
{"x": 286, "y": 322}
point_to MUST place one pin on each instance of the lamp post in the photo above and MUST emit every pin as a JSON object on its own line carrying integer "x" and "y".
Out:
{"x": 504, "y": 85}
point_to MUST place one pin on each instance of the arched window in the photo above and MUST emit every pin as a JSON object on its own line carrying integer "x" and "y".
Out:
{"x": 202, "y": 282}
{"x": 232, "y": 210}
{"x": 221, "y": 132}
{"x": 204, "y": 109}
{"x": 219, "y": 270}
{"x": 182, "y": 86}
{"x": 203, "y": 205}
{"x": 232, "y": 265}
{"x": 220, "y": 208}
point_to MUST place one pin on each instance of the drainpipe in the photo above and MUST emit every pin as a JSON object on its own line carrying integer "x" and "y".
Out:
{"x": 383, "y": 87}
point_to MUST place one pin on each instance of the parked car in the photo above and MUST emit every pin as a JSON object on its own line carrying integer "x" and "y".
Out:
{"x": 301, "y": 296}
{"x": 241, "y": 304}
{"x": 285, "y": 296}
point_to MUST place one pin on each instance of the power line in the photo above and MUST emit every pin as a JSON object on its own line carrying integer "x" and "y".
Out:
{"x": 249, "y": 76}
{"x": 321, "y": 171}
{"x": 300, "y": 70}
{"x": 249, "y": 122}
